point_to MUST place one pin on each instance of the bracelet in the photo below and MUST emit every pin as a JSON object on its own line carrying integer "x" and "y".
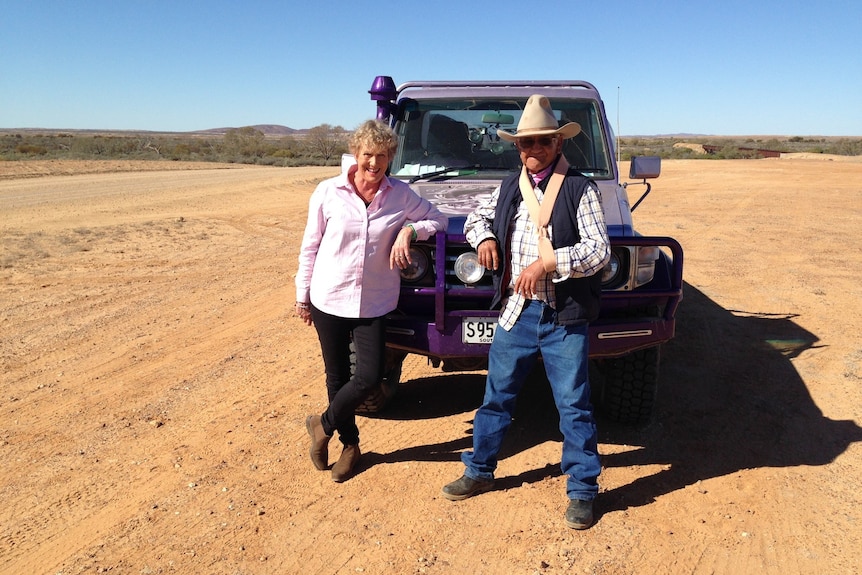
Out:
{"x": 412, "y": 229}
{"x": 301, "y": 305}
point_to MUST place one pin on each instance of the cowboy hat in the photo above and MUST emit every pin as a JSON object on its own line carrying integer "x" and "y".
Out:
{"x": 538, "y": 120}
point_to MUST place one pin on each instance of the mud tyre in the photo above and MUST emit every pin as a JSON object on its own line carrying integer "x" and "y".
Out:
{"x": 624, "y": 388}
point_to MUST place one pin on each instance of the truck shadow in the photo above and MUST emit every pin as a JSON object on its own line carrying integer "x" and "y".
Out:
{"x": 730, "y": 399}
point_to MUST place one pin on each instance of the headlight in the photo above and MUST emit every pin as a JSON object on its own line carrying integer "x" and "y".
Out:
{"x": 418, "y": 268}
{"x": 612, "y": 272}
{"x": 468, "y": 269}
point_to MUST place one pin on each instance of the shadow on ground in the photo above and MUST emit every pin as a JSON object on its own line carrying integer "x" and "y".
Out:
{"x": 729, "y": 399}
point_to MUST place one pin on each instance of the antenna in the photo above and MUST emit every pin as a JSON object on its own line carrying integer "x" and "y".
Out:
{"x": 618, "y": 124}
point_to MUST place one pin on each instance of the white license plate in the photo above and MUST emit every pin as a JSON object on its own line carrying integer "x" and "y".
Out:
{"x": 478, "y": 329}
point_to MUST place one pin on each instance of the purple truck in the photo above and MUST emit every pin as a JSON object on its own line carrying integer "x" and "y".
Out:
{"x": 450, "y": 153}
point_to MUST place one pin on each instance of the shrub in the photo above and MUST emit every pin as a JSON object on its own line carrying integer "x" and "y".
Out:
{"x": 31, "y": 150}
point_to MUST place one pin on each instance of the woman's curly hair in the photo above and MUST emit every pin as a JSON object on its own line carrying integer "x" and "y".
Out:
{"x": 373, "y": 135}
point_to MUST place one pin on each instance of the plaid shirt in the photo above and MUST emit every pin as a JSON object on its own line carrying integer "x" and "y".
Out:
{"x": 583, "y": 259}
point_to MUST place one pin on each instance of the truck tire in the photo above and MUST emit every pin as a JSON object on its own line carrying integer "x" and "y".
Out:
{"x": 383, "y": 393}
{"x": 624, "y": 388}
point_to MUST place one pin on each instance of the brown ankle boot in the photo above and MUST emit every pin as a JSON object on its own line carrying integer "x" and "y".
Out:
{"x": 343, "y": 468}
{"x": 319, "y": 442}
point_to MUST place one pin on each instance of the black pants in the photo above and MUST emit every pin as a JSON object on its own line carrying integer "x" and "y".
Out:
{"x": 347, "y": 391}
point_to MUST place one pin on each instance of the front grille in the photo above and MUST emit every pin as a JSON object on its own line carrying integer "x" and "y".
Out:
{"x": 451, "y": 280}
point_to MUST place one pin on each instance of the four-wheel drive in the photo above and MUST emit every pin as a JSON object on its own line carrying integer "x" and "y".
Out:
{"x": 450, "y": 153}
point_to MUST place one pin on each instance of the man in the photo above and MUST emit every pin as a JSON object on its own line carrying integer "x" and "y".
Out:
{"x": 548, "y": 281}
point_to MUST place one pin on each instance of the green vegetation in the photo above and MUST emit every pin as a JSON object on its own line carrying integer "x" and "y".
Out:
{"x": 321, "y": 145}
{"x": 324, "y": 144}
{"x": 702, "y": 147}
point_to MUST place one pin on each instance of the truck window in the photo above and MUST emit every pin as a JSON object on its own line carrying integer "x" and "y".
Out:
{"x": 437, "y": 134}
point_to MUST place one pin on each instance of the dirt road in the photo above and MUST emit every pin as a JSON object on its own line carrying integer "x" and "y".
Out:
{"x": 154, "y": 385}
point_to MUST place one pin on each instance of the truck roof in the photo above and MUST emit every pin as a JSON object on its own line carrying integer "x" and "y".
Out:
{"x": 498, "y": 88}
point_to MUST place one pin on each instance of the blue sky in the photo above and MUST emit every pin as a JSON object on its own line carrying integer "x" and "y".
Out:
{"x": 729, "y": 67}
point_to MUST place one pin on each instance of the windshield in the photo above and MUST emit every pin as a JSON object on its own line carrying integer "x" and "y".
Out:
{"x": 436, "y": 135}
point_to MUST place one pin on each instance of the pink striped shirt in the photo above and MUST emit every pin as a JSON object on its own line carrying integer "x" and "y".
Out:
{"x": 344, "y": 256}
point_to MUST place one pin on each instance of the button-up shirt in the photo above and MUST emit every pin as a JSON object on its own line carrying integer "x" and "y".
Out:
{"x": 344, "y": 256}
{"x": 583, "y": 259}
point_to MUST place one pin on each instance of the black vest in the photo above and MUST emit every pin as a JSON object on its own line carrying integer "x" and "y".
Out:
{"x": 577, "y": 299}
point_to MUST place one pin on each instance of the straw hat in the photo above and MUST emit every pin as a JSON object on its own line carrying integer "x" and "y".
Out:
{"x": 538, "y": 120}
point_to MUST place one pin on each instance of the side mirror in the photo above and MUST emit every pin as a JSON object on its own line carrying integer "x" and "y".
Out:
{"x": 645, "y": 167}
{"x": 347, "y": 160}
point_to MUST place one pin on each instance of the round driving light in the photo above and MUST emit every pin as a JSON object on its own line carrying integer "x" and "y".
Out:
{"x": 468, "y": 269}
{"x": 611, "y": 270}
{"x": 418, "y": 267}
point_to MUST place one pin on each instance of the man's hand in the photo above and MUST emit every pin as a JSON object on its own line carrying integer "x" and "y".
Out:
{"x": 525, "y": 284}
{"x": 488, "y": 254}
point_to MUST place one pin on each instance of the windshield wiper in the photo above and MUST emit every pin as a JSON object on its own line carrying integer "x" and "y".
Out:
{"x": 591, "y": 170}
{"x": 441, "y": 172}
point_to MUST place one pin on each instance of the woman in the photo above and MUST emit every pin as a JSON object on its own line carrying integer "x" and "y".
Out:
{"x": 356, "y": 241}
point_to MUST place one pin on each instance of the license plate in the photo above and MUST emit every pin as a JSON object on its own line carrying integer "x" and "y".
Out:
{"x": 478, "y": 329}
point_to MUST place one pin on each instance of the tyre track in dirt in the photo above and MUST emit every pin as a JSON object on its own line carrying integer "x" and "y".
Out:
{"x": 147, "y": 374}
{"x": 155, "y": 365}
{"x": 189, "y": 454}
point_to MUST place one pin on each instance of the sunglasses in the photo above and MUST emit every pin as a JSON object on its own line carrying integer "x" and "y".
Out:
{"x": 544, "y": 141}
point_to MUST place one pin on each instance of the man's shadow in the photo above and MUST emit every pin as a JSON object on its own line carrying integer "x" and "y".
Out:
{"x": 729, "y": 399}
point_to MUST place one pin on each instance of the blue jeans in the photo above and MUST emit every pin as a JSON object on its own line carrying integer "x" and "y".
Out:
{"x": 513, "y": 354}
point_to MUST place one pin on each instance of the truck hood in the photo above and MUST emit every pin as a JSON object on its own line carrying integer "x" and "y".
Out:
{"x": 459, "y": 198}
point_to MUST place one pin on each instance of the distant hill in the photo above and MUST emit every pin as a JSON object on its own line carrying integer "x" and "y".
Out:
{"x": 267, "y": 129}
{"x": 272, "y": 130}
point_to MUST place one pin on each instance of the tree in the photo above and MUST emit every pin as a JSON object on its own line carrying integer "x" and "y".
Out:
{"x": 246, "y": 142}
{"x": 327, "y": 141}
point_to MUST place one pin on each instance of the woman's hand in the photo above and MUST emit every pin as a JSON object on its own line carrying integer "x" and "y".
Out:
{"x": 399, "y": 257}
{"x": 303, "y": 312}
